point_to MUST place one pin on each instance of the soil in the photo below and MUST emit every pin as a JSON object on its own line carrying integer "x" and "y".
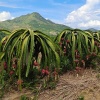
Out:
{"x": 71, "y": 86}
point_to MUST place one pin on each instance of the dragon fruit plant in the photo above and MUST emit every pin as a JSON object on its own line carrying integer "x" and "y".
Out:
{"x": 78, "y": 47}
{"x": 21, "y": 49}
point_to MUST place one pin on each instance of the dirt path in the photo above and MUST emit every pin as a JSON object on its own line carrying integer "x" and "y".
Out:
{"x": 70, "y": 87}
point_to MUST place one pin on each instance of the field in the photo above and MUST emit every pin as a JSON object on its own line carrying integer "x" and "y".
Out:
{"x": 70, "y": 87}
{"x": 36, "y": 66}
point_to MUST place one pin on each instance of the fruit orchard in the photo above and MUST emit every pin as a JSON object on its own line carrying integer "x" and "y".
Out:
{"x": 29, "y": 56}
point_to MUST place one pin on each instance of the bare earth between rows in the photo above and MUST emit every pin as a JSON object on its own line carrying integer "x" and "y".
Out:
{"x": 71, "y": 86}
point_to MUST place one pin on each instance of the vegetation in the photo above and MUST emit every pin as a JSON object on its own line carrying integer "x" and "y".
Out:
{"x": 32, "y": 59}
{"x": 33, "y": 21}
{"x": 79, "y": 48}
{"x": 20, "y": 54}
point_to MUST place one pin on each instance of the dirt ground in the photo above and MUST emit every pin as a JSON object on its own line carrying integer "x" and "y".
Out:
{"x": 71, "y": 86}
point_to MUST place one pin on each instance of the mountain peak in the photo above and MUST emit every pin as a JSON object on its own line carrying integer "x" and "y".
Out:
{"x": 35, "y": 14}
{"x": 33, "y": 21}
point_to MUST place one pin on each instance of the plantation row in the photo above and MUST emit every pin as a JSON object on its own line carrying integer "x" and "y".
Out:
{"x": 27, "y": 55}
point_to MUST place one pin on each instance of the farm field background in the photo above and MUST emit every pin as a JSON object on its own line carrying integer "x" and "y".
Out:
{"x": 44, "y": 60}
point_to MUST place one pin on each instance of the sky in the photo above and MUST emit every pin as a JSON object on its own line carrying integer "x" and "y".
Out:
{"x": 81, "y": 14}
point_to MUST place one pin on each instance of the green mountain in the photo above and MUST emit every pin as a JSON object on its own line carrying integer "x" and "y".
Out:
{"x": 92, "y": 30}
{"x": 33, "y": 21}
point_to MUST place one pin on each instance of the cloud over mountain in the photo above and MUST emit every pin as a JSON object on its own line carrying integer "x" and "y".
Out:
{"x": 5, "y": 16}
{"x": 86, "y": 16}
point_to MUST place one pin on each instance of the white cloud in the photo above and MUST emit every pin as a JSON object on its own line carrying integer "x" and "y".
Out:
{"x": 5, "y": 16}
{"x": 86, "y": 16}
{"x": 90, "y": 23}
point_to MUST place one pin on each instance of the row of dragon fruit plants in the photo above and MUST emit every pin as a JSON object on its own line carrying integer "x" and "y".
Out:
{"x": 27, "y": 54}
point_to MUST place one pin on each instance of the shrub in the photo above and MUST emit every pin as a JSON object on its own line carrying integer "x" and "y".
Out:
{"x": 78, "y": 48}
{"x": 24, "y": 51}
